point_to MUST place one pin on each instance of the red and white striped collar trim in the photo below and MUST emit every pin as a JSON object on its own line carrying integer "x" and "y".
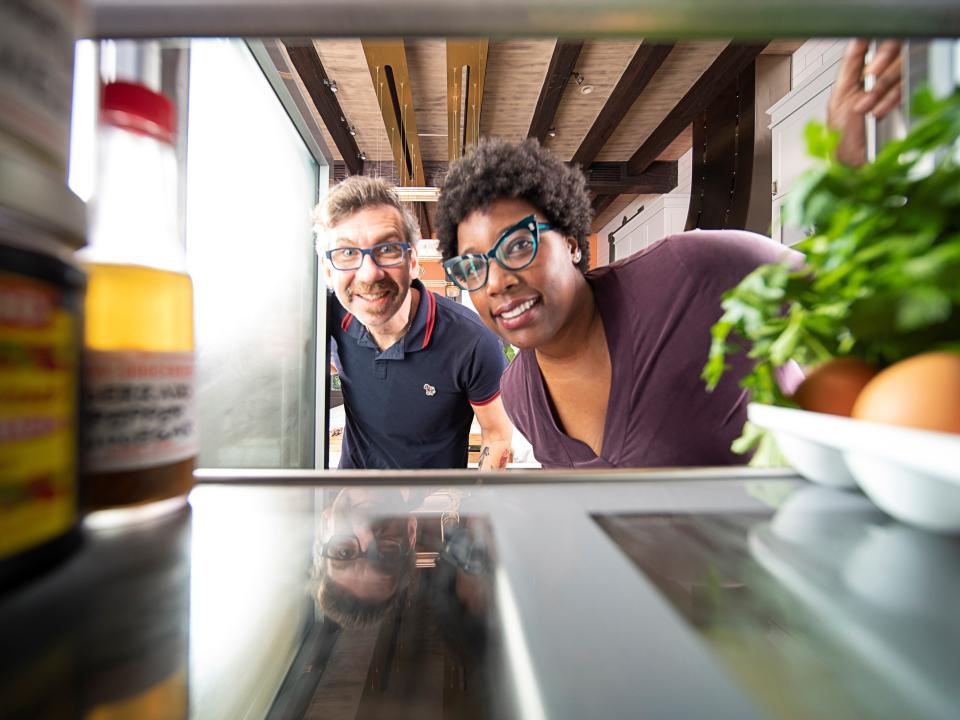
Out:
{"x": 431, "y": 317}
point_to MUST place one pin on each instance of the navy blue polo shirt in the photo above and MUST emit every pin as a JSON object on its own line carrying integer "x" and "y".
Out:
{"x": 410, "y": 406}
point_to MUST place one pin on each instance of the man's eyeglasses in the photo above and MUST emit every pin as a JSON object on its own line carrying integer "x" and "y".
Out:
{"x": 385, "y": 255}
{"x": 383, "y": 553}
{"x": 515, "y": 249}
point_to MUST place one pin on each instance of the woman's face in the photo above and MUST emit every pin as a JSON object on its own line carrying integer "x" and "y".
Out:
{"x": 528, "y": 307}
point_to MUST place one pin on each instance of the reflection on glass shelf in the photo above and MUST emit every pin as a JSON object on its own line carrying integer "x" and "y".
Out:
{"x": 405, "y": 601}
{"x": 276, "y": 602}
{"x": 827, "y": 609}
{"x": 249, "y": 609}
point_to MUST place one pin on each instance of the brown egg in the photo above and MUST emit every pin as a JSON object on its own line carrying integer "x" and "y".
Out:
{"x": 920, "y": 392}
{"x": 833, "y": 387}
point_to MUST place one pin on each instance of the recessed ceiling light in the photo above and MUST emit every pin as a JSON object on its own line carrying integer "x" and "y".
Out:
{"x": 352, "y": 130}
{"x": 332, "y": 84}
{"x": 552, "y": 132}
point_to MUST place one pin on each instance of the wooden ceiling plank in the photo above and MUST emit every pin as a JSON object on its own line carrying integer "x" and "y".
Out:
{"x": 464, "y": 104}
{"x": 427, "y": 65}
{"x": 307, "y": 63}
{"x": 562, "y": 65}
{"x": 387, "y": 62}
{"x": 730, "y": 63}
{"x": 515, "y": 71}
{"x": 644, "y": 65}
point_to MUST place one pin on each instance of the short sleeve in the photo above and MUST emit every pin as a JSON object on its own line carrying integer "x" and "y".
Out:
{"x": 484, "y": 368}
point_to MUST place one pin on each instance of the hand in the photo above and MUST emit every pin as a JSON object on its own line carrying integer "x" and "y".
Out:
{"x": 850, "y": 103}
{"x": 487, "y": 461}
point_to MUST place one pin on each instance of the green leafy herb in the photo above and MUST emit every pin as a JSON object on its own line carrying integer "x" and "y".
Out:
{"x": 881, "y": 279}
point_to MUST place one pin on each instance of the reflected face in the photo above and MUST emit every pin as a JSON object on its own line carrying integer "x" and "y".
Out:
{"x": 525, "y": 307}
{"x": 373, "y": 294}
{"x": 370, "y": 517}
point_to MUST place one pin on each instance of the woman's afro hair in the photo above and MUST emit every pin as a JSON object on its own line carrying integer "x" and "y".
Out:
{"x": 499, "y": 170}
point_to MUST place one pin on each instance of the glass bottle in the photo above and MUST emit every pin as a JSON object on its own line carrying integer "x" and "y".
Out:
{"x": 140, "y": 434}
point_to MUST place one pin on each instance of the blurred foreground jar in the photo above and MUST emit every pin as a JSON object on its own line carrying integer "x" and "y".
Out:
{"x": 139, "y": 428}
{"x": 106, "y": 636}
{"x": 41, "y": 310}
{"x": 36, "y": 77}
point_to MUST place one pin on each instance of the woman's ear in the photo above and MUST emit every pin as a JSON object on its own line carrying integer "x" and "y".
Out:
{"x": 574, "y": 250}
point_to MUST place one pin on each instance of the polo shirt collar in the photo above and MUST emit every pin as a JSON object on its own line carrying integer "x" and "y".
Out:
{"x": 417, "y": 337}
{"x": 420, "y": 332}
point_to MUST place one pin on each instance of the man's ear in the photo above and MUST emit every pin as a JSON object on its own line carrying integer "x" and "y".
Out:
{"x": 326, "y": 524}
{"x": 412, "y": 531}
{"x": 324, "y": 261}
{"x": 414, "y": 261}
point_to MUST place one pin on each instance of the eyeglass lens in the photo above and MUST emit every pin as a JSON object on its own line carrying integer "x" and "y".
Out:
{"x": 514, "y": 252}
{"x": 348, "y": 548}
{"x": 351, "y": 258}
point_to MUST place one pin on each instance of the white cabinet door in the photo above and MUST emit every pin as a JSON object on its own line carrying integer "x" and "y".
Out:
{"x": 790, "y": 158}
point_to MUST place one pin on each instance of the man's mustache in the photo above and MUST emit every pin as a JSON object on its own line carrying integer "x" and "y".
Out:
{"x": 385, "y": 285}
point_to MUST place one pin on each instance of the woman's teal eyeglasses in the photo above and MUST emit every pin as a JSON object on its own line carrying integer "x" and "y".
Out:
{"x": 515, "y": 250}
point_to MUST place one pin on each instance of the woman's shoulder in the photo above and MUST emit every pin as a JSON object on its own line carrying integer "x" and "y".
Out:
{"x": 740, "y": 249}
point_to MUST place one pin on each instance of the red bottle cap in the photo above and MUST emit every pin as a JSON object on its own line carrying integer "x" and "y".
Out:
{"x": 139, "y": 109}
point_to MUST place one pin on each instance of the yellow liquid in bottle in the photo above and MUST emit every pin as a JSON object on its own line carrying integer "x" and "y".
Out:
{"x": 136, "y": 308}
{"x": 129, "y": 307}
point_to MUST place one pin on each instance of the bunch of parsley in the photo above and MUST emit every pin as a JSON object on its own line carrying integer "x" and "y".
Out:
{"x": 881, "y": 278}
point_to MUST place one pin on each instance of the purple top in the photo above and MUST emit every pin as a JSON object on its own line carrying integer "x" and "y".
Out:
{"x": 657, "y": 307}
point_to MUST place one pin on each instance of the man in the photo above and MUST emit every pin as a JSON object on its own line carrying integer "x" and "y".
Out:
{"x": 365, "y": 554}
{"x": 609, "y": 369}
{"x": 414, "y": 366}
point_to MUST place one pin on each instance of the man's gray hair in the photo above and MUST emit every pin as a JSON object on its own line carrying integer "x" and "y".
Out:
{"x": 357, "y": 193}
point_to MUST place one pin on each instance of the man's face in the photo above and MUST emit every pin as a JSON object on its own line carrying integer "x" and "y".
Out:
{"x": 373, "y": 294}
{"x": 525, "y": 307}
{"x": 370, "y": 516}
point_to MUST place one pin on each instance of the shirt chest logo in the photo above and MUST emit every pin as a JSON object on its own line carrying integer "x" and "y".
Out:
{"x": 429, "y": 390}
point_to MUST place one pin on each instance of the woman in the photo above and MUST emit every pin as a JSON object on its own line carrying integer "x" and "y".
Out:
{"x": 609, "y": 369}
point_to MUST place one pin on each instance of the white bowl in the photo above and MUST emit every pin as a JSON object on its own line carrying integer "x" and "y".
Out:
{"x": 914, "y": 475}
{"x": 815, "y": 461}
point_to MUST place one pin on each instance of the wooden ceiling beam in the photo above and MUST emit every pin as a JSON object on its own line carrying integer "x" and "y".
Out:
{"x": 638, "y": 73}
{"x": 601, "y": 203}
{"x": 466, "y": 74}
{"x": 307, "y": 63}
{"x": 729, "y": 64}
{"x": 562, "y": 65}
{"x": 613, "y": 178}
{"x": 423, "y": 219}
{"x": 387, "y": 62}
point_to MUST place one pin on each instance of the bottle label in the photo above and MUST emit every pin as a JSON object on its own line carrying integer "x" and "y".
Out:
{"x": 140, "y": 410}
{"x": 39, "y": 359}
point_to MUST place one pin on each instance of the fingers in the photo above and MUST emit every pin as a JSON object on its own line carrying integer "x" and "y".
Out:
{"x": 887, "y": 53}
{"x": 890, "y": 101}
{"x": 850, "y": 76}
{"x": 886, "y": 86}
